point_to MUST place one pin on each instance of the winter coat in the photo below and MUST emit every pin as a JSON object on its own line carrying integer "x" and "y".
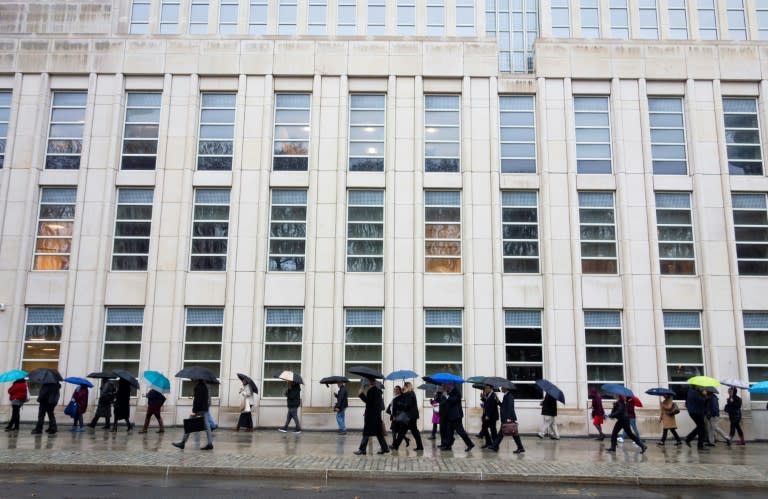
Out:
{"x": 408, "y": 404}
{"x": 508, "y": 408}
{"x": 155, "y": 399}
{"x": 713, "y": 406}
{"x": 491, "y": 408}
{"x": 49, "y": 394}
{"x": 106, "y": 398}
{"x": 452, "y": 405}
{"x": 372, "y": 416}
{"x": 666, "y": 408}
{"x": 549, "y": 406}
{"x": 619, "y": 411}
{"x": 81, "y": 398}
{"x": 123, "y": 400}
{"x": 342, "y": 399}
{"x": 293, "y": 396}
{"x": 18, "y": 392}
{"x": 733, "y": 408}
{"x": 695, "y": 402}
{"x": 631, "y": 408}
{"x": 200, "y": 401}
{"x": 597, "y": 405}
{"x": 247, "y": 394}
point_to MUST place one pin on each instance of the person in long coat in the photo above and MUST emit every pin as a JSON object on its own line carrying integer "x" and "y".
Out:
{"x": 668, "y": 409}
{"x": 123, "y": 404}
{"x": 246, "y": 418}
{"x": 453, "y": 418}
{"x": 18, "y": 393}
{"x": 48, "y": 397}
{"x": 620, "y": 414}
{"x": 104, "y": 407}
{"x": 155, "y": 401}
{"x": 598, "y": 412}
{"x": 733, "y": 409}
{"x": 508, "y": 415}
{"x": 372, "y": 423}
{"x": 549, "y": 418}
{"x": 409, "y": 405}
{"x": 81, "y": 399}
{"x": 490, "y": 416}
{"x": 695, "y": 403}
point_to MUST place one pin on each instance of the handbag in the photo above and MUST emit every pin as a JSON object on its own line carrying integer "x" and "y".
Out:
{"x": 674, "y": 410}
{"x": 194, "y": 424}
{"x": 509, "y": 429}
{"x": 71, "y": 409}
{"x": 403, "y": 419}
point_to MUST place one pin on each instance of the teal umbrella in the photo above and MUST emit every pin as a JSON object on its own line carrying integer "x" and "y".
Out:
{"x": 13, "y": 375}
{"x": 158, "y": 379}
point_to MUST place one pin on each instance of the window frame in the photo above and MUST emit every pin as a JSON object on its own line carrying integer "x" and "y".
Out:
{"x": 201, "y": 158}
{"x": 300, "y": 259}
{"x": 350, "y": 206}
{"x": 462, "y": 8}
{"x": 754, "y": 145}
{"x": 755, "y": 323}
{"x": 258, "y": 26}
{"x": 51, "y": 343}
{"x": 583, "y": 225}
{"x": 452, "y": 345}
{"x": 194, "y": 25}
{"x": 659, "y": 209}
{"x": 170, "y": 25}
{"x": 213, "y": 388}
{"x": 6, "y": 100}
{"x": 590, "y": 325}
{"x": 590, "y": 31}
{"x": 508, "y": 203}
{"x": 511, "y": 324}
{"x": 644, "y": 30}
{"x": 619, "y": 29}
{"x": 306, "y": 127}
{"x": 51, "y": 123}
{"x": 354, "y": 382}
{"x": 761, "y": 19}
{"x": 266, "y": 370}
{"x": 140, "y": 124}
{"x": 287, "y": 16}
{"x": 434, "y": 163}
{"x": 367, "y": 127}
{"x": 742, "y": 31}
{"x": 593, "y": 164}
{"x": 673, "y": 29}
{"x": 231, "y": 24}
{"x": 657, "y": 162}
{"x": 343, "y": 26}
{"x": 315, "y": 27}
{"x": 406, "y": 23}
{"x": 435, "y": 11}
{"x": 202, "y": 256}
{"x": 560, "y": 6}
{"x": 374, "y": 25}
{"x": 139, "y": 26}
{"x": 106, "y": 342}
{"x": 756, "y": 202}
{"x": 523, "y": 24}
{"x": 40, "y": 220}
{"x": 456, "y": 241}
{"x": 516, "y": 162}
{"x": 669, "y": 347}
{"x": 148, "y": 222}
{"x": 707, "y": 32}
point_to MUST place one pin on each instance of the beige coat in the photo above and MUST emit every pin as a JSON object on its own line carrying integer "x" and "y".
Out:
{"x": 667, "y": 420}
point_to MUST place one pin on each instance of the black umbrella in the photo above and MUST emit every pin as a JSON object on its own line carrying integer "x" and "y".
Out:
{"x": 197, "y": 372}
{"x": 332, "y": 380}
{"x": 125, "y": 375}
{"x": 480, "y": 386}
{"x": 497, "y": 382}
{"x": 427, "y": 387}
{"x": 102, "y": 375}
{"x": 365, "y": 372}
{"x": 246, "y": 379}
{"x": 45, "y": 375}
{"x": 551, "y": 389}
{"x": 288, "y": 376}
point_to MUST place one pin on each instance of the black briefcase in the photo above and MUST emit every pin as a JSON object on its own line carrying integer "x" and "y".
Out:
{"x": 194, "y": 424}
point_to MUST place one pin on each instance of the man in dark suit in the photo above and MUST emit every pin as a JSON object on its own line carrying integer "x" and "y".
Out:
{"x": 453, "y": 418}
{"x": 372, "y": 424}
{"x": 490, "y": 416}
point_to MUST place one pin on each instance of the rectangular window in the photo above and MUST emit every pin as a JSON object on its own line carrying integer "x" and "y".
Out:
{"x": 465, "y": 17}
{"x": 597, "y": 227}
{"x": 737, "y": 22}
{"x": 139, "y": 17}
{"x": 674, "y": 227}
{"x": 677, "y": 10}
{"x": 283, "y": 334}
{"x": 141, "y": 131}
{"x": 318, "y": 10}
{"x": 133, "y": 224}
{"x": 590, "y": 18}
{"x": 682, "y": 336}
{"x": 288, "y": 231}
{"x": 122, "y": 339}
{"x": 520, "y": 232}
{"x": 561, "y": 19}
{"x": 5, "y": 113}
{"x": 377, "y": 17}
{"x": 54, "y": 228}
{"x": 619, "y": 15}
{"x": 667, "y": 125}
{"x": 363, "y": 341}
{"x": 761, "y": 13}
{"x": 707, "y": 19}
{"x": 515, "y": 27}
{"x": 286, "y": 20}
{"x": 210, "y": 230}
{"x": 228, "y": 10}
{"x": 406, "y": 17}
{"x": 442, "y": 133}
{"x": 750, "y": 223}
{"x": 198, "y": 17}
{"x": 257, "y": 17}
{"x": 649, "y": 20}
{"x": 517, "y": 134}
{"x": 65, "y": 135}
{"x": 42, "y": 337}
{"x": 217, "y": 131}
{"x": 291, "y": 142}
{"x": 346, "y": 17}
{"x": 442, "y": 231}
{"x": 365, "y": 231}
{"x": 169, "y": 16}
{"x": 443, "y": 341}
{"x": 593, "y": 134}
{"x": 742, "y": 136}
{"x": 602, "y": 339}
{"x": 202, "y": 344}
{"x": 366, "y": 133}
{"x": 435, "y": 17}
{"x": 756, "y": 341}
{"x": 523, "y": 348}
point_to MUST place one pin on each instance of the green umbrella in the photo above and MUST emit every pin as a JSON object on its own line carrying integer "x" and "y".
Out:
{"x": 703, "y": 381}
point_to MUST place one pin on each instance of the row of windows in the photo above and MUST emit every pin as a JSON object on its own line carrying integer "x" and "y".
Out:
{"x": 365, "y": 231}
{"x": 444, "y": 344}
{"x": 366, "y": 143}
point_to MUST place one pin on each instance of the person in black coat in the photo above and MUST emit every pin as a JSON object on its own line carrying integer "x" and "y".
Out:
{"x": 123, "y": 404}
{"x": 408, "y": 405}
{"x": 200, "y": 408}
{"x": 733, "y": 408}
{"x": 695, "y": 402}
{"x": 490, "y": 416}
{"x": 47, "y": 398}
{"x": 104, "y": 407}
{"x": 620, "y": 414}
{"x": 453, "y": 418}
{"x": 508, "y": 415}
{"x": 342, "y": 402}
{"x": 293, "y": 402}
{"x": 372, "y": 423}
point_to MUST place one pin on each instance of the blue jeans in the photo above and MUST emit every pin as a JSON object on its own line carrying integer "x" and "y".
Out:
{"x": 340, "y": 421}
{"x": 207, "y": 422}
{"x": 633, "y": 425}
{"x": 211, "y": 423}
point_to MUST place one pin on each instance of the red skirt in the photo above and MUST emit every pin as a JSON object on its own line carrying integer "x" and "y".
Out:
{"x": 598, "y": 420}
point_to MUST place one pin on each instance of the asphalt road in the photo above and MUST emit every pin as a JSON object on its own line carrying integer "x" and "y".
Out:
{"x": 60, "y": 486}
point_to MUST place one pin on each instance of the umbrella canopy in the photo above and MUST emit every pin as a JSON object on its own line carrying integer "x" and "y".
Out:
{"x": 703, "y": 381}
{"x": 551, "y": 389}
{"x": 44, "y": 375}
{"x": 401, "y": 375}
{"x": 760, "y": 387}
{"x": 475, "y": 379}
{"x": 661, "y": 392}
{"x": 158, "y": 379}
{"x": 615, "y": 389}
{"x": 734, "y": 383}
{"x": 332, "y": 380}
{"x": 125, "y": 375}
{"x": 365, "y": 372}
{"x": 480, "y": 386}
{"x": 13, "y": 375}
{"x": 443, "y": 378}
{"x": 197, "y": 372}
{"x": 429, "y": 387}
{"x": 710, "y": 389}
{"x": 102, "y": 375}
{"x": 498, "y": 382}
{"x": 288, "y": 376}
{"x": 637, "y": 401}
{"x": 78, "y": 381}
{"x": 249, "y": 381}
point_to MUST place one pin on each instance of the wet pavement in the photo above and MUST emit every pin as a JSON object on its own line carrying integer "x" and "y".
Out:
{"x": 325, "y": 455}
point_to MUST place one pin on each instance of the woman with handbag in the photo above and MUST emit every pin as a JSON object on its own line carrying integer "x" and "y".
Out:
{"x": 19, "y": 395}
{"x": 508, "y": 423}
{"x": 669, "y": 410}
{"x": 435, "y": 403}
{"x": 246, "y": 419}
{"x": 80, "y": 398}
{"x": 406, "y": 418}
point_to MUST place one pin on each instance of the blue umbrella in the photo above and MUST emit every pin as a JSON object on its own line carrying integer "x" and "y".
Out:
{"x": 401, "y": 375}
{"x": 661, "y": 392}
{"x": 13, "y": 375}
{"x": 443, "y": 378}
{"x": 551, "y": 389}
{"x": 759, "y": 387}
{"x": 78, "y": 381}
{"x": 158, "y": 379}
{"x": 615, "y": 389}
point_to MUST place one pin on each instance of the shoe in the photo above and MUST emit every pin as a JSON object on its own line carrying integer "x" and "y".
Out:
{"x": 494, "y": 448}
{"x": 728, "y": 442}
{"x": 709, "y": 445}
{"x": 51, "y": 432}
{"x": 486, "y": 446}
{"x": 445, "y": 448}
{"x": 687, "y": 442}
{"x": 601, "y": 438}
{"x": 359, "y": 452}
{"x": 741, "y": 442}
{"x": 660, "y": 443}
{"x": 80, "y": 430}
{"x": 620, "y": 440}
{"x": 517, "y": 451}
{"x": 469, "y": 447}
{"x": 678, "y": 443}
{"x": 130, "y": 426}
{"x": 73, "y": 429}
{"x": 643, "y": 448}
{"x": 479, "y": 435}
{"x": 419, "y": 448}
{"x": 179, "y": 445}
{"x": 207, "y": 447}
{"x": 407, "y": 441}
{"x": 702, "y": 449}
{"x": 432, "y": 438}
{"x": 383, "y": 451}
{"x": 36, "y": 432}
{"x": 554, "y": 438}
{"x": 92, "y": 425}
{"x": 610, "y": 449}
{"x": 142, "y": 431}
{"x": 342, "y": 433}
{"x": 540, "y": 435}
{"x": 392, "y": 447}
{"x": 297, "y": 432}
{"x": 281, "y": 430}
{"x": 161, "y": 430}
{"x": 106, "y": 427}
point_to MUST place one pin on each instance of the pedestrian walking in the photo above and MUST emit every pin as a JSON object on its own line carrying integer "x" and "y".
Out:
{"x": 18, "y": 393}
{"x": 393, "y": 409}
{"x": 47, "y": 398}
{"x": 695, "y": 404}
{"x": 620, "y": 414}
{"x": 733, "y": 409}
{"x": 713, "y": 421}
{"x": 245, "y": 420}
{"x": 631, "y": 404}
{"x": 435, "y": 403}
{"x": 200, "y": 408}
{"x": 104, "y": 404}
{"x": 490, "y": 416}
{"x": 598, "y": 412}
{"x": 80, "y": 397}
{"x": 123, "y": 404}
{"x": 340, "y": 407}
{"x": 453, "y": 418}
{"x": 209, "y": 415}
{"x": 155, "y": 401}
{"x": 508, "y": 415}
{"x": 293, "y": 401}
{"x": 407, "y": 418}
{"x": 372, "y": 424}
{"x": 668, "y": 411}
{"x": 549, "y": 417}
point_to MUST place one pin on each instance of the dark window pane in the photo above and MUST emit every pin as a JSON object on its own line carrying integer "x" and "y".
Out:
{"x": 208, "y": 263}
{"x": 138, "y": 162}
{"x": 286, "y": 264}
{"x": 441, "y": 165}
{"x": 521, "y": 265}
{"x": 129, "y": 262}
{"x": 366, "y": 165}
{"x": 214, "y": 163}
{"x": 62, "y": 162}
{"x": 131, "y": 246}
{"x": 289, "y": 164}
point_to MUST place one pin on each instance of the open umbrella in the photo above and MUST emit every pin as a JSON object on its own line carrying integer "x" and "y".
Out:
{"x": 401, "y": 375}
{"x": 429, "y": 387}
{"x": 616, "y": 389}
{"x": 44, "y": 375}
{"x": 735, "y": 383}
{"x": 288, "y": 376}
{"x": 703, "y": 381}
{"x": 332, "y": 380}
{"x": 480, "y": 386}
{"x": 498, "y": 382}
{"x": 102, "y": 375}
{"x": 710, "y": 389}
{"x": 197, "y": 372}
{"x": 13, "y": 375}
{"x": 443, "y": 378}
{"x": 365, "y": 372}
{"x": 247, "y": 379}
{"x": 125, "y": 375}
{"x": 661, "y": 392}
{"x": 78, "y": 381}
{"x": 475, "y": 379}
{"x": 637, "y": 401}
{"x": 158, "y": 379}
{"x": 551, "y": 389}
{"x": 760, "y": 387}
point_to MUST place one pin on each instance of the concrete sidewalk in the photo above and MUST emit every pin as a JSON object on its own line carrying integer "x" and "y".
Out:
{"x": 325, "y": 455}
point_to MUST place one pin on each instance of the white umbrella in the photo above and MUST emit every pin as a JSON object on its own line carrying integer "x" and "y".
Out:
{"x": 735, "y": 383}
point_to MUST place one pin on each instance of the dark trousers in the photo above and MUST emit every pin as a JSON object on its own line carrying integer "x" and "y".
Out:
{"x": 379, "y": 436}
{"x": 735, "y": 428}
{"x": 456, "y": 426}
{"x": 623, "y": 424}
{"x": 500, "y": 437}
{"x": 95, "y": 420}
{"x": 42, "y": 411}
{"x": 402, "y": 430}
{"x": 700, "y": 431}
{"x": 671, "y": 430}
{"x": 13, "y": 424}
{"x": 489, "y": 432}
